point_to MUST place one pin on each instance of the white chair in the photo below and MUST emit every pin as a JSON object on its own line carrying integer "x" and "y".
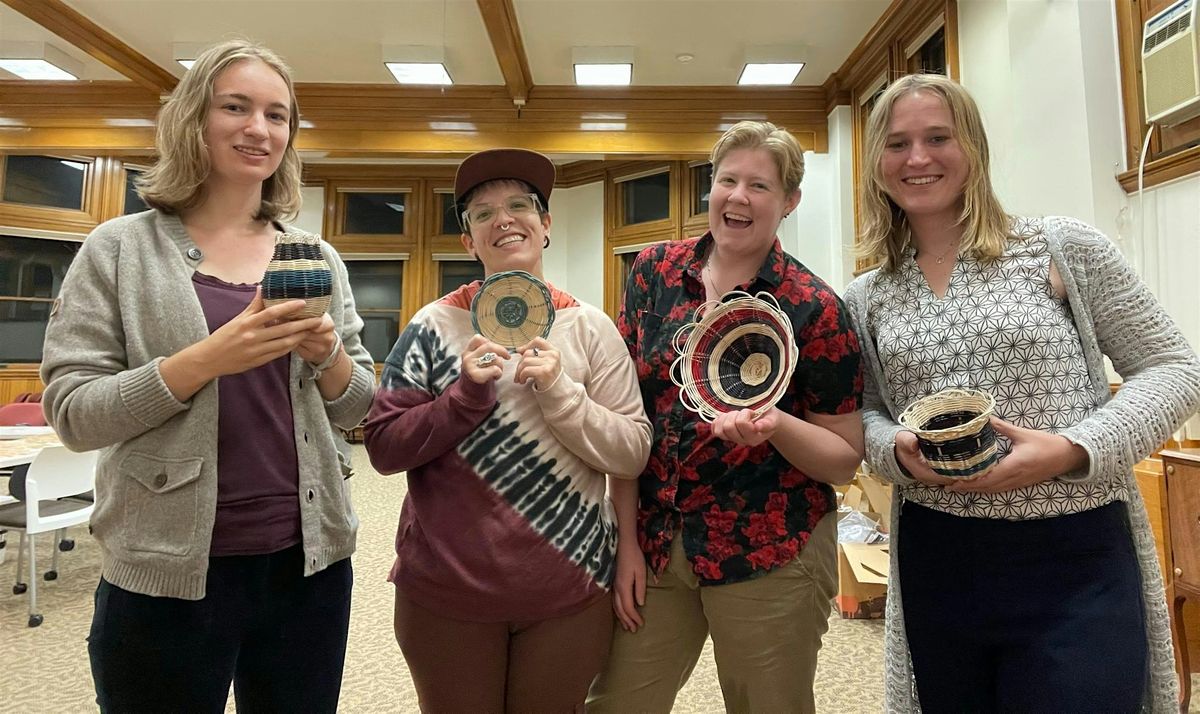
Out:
{"x": 56, "y": 473}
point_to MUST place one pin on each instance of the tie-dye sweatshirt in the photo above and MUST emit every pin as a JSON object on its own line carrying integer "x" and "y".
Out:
{"x": 506, "y": 517}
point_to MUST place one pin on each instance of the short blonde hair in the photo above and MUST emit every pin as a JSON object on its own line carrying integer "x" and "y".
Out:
{"x": 886, "y": 235}
{"x": 779, "y": 143}
{"x": 176, "y": 181}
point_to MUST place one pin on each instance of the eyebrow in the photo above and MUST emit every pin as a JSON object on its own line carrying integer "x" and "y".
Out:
{"x": 928, "y": 129}
{"x": 244, "y": 98}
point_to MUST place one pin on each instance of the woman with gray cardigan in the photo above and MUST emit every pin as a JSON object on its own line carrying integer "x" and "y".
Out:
{"x": 222, "y": 512}
{"x": 1035, "y": 586}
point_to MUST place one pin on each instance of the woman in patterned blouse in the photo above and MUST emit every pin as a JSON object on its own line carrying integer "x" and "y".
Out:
{"x": 736, "y": 519}
{"x": 1034, "y": 587}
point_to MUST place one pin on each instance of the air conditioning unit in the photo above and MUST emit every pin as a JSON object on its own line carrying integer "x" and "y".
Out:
{"x": 1171, "y": 64}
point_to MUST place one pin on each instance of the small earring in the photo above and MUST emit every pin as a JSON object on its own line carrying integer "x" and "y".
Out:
{"x": 546, "y": 242}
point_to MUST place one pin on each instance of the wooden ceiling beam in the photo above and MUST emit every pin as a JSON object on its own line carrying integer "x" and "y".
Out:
{"x": 66, "y": 22}
{"x": 500, "y": 18}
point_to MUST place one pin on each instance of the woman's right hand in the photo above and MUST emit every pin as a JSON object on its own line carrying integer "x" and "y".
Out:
{"x": 629, "y": 584}
{"x": 910, "y": 458}
{"x": 256, "y": 336}
{"x": 491, "y": 368}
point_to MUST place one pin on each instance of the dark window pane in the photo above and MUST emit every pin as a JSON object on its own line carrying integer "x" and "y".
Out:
{"x": 44, "y": 181}
{"x": 376, "y": 284}
{"x": 375, "y": 213}
{"x": 22, "y": 330}
{"x": 702, "y": 181}
{"x": 34, "y": 267}
{"x": 647, "y": 198}
{"x": 379, "y": 333}
{"x": 931, "y": 57}
{"x": 627, "y": 260}
{"x": 449, "y": 225}
{"x": 457, "y": 273}
{"x": 133, "y": 202}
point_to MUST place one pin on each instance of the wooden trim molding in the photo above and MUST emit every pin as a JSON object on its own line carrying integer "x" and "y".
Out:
{"x": 66, "y": 22}
{"x": 579, "y": 173}
{"x": 500, "y": 18}
{"x": 1159, "y": 171}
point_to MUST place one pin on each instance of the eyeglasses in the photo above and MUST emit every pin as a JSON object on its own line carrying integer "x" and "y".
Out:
{"x": 519, "y": 205}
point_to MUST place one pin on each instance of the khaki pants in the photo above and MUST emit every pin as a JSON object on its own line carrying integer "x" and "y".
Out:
{"x": 765, "y": 632}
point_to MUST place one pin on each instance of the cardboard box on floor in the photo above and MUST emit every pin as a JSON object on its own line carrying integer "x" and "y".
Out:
{"x": 863, "y": 568}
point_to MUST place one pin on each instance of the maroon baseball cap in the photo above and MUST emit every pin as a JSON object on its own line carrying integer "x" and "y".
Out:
{"x": 520, "y": 164}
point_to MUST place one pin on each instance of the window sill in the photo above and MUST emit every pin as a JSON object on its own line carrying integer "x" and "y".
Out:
{"x": 1160, "y": 171}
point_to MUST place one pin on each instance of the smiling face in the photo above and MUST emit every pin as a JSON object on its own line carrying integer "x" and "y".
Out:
{"x": 247, "y": 126}
{"x": 923, "y": 166}
{"x": 505, "y": 240}
{"x": 748, "y": 201}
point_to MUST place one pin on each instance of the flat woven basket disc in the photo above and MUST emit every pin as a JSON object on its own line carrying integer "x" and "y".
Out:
{"x": 298, "y": 271}
{"x": 740, "y": 355}
{"x": 512, "y": 308}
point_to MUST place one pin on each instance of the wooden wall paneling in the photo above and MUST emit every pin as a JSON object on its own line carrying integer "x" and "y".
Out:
{"x": 17, "y": 379}
{"x": 579, "y": 173}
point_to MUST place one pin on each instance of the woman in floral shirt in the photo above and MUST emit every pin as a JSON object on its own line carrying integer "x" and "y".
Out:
{"x": 736, "y": 519}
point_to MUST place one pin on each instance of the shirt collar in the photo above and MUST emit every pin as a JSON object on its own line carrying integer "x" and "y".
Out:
{"x": 771, "y": 271}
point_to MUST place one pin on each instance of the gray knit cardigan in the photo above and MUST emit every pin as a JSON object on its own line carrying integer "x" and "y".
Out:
{"x": 1118, "y": 317}
{"x": 126, "y": 304}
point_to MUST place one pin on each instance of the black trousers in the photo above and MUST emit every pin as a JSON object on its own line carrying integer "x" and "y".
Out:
{"x": 278, "y": 636}
{"x": 1023, "y": 616}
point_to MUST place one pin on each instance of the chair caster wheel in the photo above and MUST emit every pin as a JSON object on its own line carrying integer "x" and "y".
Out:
{"x": 35, "y": 620}
{"x": 50, "y": 575}
{"x": 20, "y": 588}
{"x": 66, "y": 544}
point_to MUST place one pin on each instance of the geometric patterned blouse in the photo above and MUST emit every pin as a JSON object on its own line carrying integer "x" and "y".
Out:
{"x": 999, "y": 328}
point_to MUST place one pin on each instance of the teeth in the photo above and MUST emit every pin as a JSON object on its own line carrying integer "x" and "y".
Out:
{"x": 736, "y": 217}
{"x": 252, "y": 152}
{"x": 921, "y": 180}
{"x": 509, "y": 239}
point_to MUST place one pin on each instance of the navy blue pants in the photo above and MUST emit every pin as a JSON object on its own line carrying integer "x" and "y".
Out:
{"x": 278, "y": 636}
{"x": 1023, "y": 616}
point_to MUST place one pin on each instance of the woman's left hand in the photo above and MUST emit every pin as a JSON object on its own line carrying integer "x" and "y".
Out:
{"x": 540, "y": 364}
{"x": 1036, "y": 456}
{"x": 318, "y": 344}
{"x": 742, "y": 428}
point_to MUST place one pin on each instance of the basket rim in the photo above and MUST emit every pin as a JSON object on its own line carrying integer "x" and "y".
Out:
{"x": 972, "y": 425}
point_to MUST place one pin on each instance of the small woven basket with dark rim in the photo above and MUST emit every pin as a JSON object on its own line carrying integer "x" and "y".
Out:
{"x": 511, "y": 308}
{"x": 954, "y": 431}
{"x": 298, "y": 271}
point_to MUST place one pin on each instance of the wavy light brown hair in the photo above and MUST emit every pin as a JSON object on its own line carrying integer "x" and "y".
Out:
{"x": 176, "y": 181}
{"x": 779, "y": 143}
{"x": 886, "y": 233}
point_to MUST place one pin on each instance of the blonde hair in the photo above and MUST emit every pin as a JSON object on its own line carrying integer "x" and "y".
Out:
{"x": 176, "y": 181}
{"x": 779, "y": 143}
{"x": 886, "y": 232}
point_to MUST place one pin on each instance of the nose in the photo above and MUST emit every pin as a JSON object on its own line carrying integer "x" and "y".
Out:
{"x": 503, "y": 217}
{"x": 739, "y": 194}
{"x": 918, "y": 154}
{"x": 256, "y": 125}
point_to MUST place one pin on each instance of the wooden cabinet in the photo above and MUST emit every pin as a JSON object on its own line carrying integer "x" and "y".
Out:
{"x": 1181, "y": 471}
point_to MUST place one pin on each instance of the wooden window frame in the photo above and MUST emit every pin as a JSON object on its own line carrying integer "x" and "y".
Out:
{"x": 376, "y": 242}
{"x": 103, "y": 195}
{"x": 615, "y": 211}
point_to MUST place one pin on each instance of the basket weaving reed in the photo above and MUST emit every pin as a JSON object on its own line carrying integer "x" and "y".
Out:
{"x": 298, "y": 271}
{"x": 953, "y": 429}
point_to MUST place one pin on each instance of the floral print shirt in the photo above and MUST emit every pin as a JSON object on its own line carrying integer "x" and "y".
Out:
{"x": 742, "y": 511}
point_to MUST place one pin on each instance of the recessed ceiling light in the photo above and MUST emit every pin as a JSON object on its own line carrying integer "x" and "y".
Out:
{"x": 187, "y": 63}
{"x": 770, "y": 72}
{"x": 35, "y": 69}
{"x": 419, "y": 72}
{"x": 39, "y": 61}
{"x": 603, "y": 74}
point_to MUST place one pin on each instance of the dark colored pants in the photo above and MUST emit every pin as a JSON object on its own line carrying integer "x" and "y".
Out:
{"x": 1023, "y": 616}
{"x": 278, "y": 636}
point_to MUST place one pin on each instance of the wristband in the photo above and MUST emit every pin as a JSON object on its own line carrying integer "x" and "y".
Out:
{"x": 331, "y": 360}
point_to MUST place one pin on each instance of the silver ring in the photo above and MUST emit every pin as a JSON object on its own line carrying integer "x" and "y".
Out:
{"x": 485, "y": 359}
{"x": 535, "y": 352}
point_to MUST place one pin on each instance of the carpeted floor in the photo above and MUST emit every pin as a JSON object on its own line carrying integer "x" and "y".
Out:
{"x": 46, "y": 668}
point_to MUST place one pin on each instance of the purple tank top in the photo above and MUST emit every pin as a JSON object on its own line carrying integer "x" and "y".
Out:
{"x": 258, "y": 501}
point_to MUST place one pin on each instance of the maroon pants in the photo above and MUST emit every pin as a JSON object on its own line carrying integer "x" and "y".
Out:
{"x": 539, "y": 666}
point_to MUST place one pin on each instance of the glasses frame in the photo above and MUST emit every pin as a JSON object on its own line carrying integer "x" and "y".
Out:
{"x": 537, "y": 207}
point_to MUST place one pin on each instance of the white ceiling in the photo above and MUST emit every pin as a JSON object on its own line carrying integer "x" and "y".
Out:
{"x": 343, "y": 40}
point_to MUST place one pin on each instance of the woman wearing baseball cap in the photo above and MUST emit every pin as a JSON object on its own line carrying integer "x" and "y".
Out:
{"x": 506, "y": 546}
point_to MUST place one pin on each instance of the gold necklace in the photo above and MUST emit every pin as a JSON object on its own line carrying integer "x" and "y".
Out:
{"x": 941, "y": 258}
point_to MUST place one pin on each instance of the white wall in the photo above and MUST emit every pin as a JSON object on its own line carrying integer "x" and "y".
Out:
{"x": 809, "y": 233}
{"x": 312, "y": 210}
{"x": 575, "y": 259}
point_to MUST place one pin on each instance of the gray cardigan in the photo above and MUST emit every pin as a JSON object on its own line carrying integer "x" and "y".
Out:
{"x": 1118, "y": 317}
{"x": 126, "y": 304}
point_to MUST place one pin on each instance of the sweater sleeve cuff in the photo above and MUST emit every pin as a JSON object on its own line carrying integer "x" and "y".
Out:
{"x": 471, "y": 394}
{"x": 1088, "y": 472}
{"x": 559, "y": 396}
{"x": 146, "y": 396}
{"x": 352, "y": 405}
{"x": 884, "y": 458}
